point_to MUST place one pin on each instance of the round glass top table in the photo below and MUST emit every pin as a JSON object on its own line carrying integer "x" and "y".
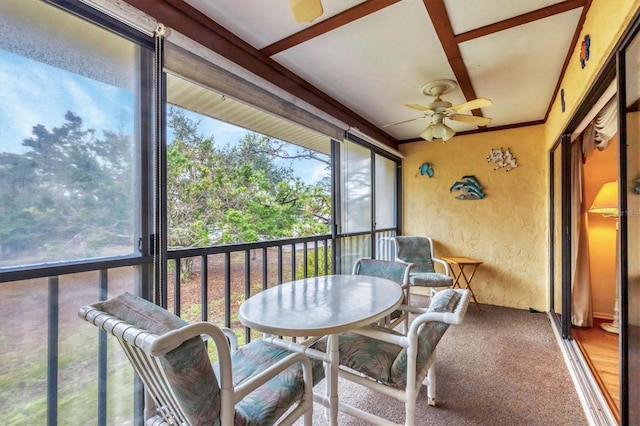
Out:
{"x": 322, "y": 306}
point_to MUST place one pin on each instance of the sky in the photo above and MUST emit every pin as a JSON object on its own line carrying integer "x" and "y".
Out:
{"x": 34, "y": 93}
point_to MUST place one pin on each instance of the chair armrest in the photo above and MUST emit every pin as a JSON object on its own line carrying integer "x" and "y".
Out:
{"x": 171, "y": 340}
{"x": 417, "y": 310}
{"x": 444, "y": 264}
{"x": 174, "y": 338}
{"x": 456, "y": 317}
{"x": 263, "y": 377}
{"x": 382, "y": 334}
{"x": 303, "y": 348}
{"x": 229, "y": 334}
{"x": 231, "y": 337}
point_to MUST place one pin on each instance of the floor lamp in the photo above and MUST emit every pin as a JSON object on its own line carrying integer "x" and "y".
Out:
{"x": 606, "y": 203}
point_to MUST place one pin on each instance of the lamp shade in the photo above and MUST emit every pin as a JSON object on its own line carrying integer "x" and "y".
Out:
{"x": 606, "y": 202}
{"x": 438, "y": 131}
{"x": 448, "y": 133}
{"x": 427, "y": 134}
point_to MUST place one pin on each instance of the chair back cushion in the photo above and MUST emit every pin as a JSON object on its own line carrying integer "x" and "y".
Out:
{"x": 429, "y": 334}
{"x": 394, "y": 271}
{"x": 416, "y": 250}
{"x": 187, "y": 367}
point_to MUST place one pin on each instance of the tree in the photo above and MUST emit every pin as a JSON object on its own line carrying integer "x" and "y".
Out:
{"x": 237, "y": 193}
{"x": 69, "y": 195}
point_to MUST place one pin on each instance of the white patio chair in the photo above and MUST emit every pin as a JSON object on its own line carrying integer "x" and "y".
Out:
{"x": 255, "y": 384}
{"x": 419, "y": 251}
{"x": 395, "y": 364}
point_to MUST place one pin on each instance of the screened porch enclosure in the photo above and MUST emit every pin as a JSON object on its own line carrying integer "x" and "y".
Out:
{"x": 97, "y": 199}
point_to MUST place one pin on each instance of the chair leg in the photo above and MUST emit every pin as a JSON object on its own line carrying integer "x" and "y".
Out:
{"x": 405, "y": 323}
{"x": 431, "y": 384}
{"x": 410, "y": 408}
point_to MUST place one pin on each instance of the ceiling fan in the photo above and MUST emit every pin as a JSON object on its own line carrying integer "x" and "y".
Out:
{"x": 439, "y": 110}
{"x": 306, "y": 10}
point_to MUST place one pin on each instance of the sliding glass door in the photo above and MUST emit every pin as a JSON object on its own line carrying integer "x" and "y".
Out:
{"x": 625, "y": 66}
{"x": 629, "y": 97}
{"x": 560, "y": 236}
{"x": 367, "y": 195}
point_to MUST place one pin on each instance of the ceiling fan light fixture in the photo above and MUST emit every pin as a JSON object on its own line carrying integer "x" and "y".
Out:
{"x": 439, "y": 110}
{"x": 448, "y": 133}
{"x": 306, "y": 10}
{"x": 427, "y": 134}
{"x": 439, "y": 130}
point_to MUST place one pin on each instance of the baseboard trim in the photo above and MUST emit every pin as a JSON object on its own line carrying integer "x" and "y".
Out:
{"x": 603, "y": 316}
{"x": 593, "y": 401}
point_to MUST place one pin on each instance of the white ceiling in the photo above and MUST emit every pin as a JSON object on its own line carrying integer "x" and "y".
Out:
{"x": 379, "y": 62}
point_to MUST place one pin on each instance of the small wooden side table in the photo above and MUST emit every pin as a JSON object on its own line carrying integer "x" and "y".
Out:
{"x": 461, "y": 262}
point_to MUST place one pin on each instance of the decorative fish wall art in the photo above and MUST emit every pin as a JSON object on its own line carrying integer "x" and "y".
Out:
{"x": 585, "y": 46}
{"x": 425, "y": 169}
{"x": 469, "y": 187}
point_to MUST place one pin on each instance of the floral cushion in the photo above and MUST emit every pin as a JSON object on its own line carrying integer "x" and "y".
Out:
{"x": 444, "y": 301}
{"x": 369, "y": 356}
{"x": 430, "y": 279}
{"x": 416, "y": 250}
{"x": 387, "y": 362}
{"x": 187, "y": 367}
{"x": 429, "y": 334}
{"x": 382, "y": 268}
{"x": 391, "y": 270}
{"x": 267, "y": 403}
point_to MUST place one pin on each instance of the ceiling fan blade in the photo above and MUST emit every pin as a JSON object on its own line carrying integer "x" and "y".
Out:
{"x": 306, "y": 10}
{"x": 474, "y": 104}
{"x": 403, "y": 121}
{"x": 419, "y": 108}
{"x": 471, "y": 119}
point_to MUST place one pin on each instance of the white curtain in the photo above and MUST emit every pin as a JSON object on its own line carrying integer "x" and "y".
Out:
{"x": 600, "y": 131}
{"x": 581, "y": 301}
{"x": 596, "y": 136}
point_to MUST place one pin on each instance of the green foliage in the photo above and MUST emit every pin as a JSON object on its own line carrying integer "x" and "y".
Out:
{"x": 312, "y": 266}
{"x": 234, "y": 194}
{"x": 69, "y": 194}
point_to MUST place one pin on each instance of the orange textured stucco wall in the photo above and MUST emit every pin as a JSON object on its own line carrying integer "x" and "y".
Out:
{"x": 507, "y": 229}
{"x": 605, "y": 23}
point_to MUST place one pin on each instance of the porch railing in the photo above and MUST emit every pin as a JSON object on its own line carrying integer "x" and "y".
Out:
{"x": 201, "y": 277}
{"x": 206, "y": 284}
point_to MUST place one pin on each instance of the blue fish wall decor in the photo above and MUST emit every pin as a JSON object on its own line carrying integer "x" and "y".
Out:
{"x": 426, "y": 169}
{"x": 469, "y": 187}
